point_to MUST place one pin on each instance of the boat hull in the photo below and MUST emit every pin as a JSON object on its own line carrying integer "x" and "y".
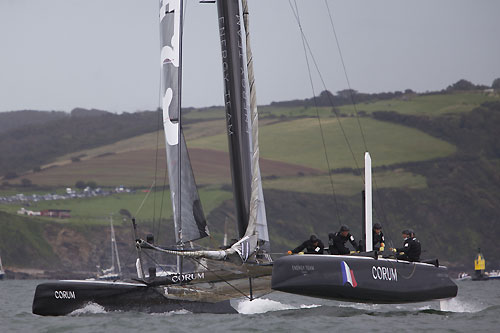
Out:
{"x": 64, "y": 297}
{"x": 361, "y": 279}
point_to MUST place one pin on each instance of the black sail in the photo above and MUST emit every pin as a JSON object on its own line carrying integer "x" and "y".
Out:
{"x": 190, "y": 223}
{"x": 236, "y": 106}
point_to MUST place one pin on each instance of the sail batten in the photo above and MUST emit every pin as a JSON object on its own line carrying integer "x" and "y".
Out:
{"x": 189, "y": 219}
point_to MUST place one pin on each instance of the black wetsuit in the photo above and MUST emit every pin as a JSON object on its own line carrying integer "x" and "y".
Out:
{"x": 378, "y": 239}
{"x": 310, "y": 247}
{"x": 337, "y": 242}
{"x": 411, "y": 248}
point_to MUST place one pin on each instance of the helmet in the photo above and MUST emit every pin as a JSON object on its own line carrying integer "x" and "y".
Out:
{"x": 406, "y": 232}
{"x": 411, "y": 232}
{"x": 313, "y": 238}
{"x": 377, "y": 226}
{"x": 344, "y": 228}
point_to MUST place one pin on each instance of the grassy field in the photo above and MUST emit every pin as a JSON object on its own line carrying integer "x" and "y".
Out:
{"x": 346, "y": 184}
{"x": 299, "y": 142}
{"x": 98, "y": 209}
{"x": 213, "y": 112}
{"x": 429, "y": 105}
{"x": 22, "y": 237}
{"x": 295, "y": 143}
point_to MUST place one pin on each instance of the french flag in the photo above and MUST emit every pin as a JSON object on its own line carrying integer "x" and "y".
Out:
{"x": 347, "y": 275}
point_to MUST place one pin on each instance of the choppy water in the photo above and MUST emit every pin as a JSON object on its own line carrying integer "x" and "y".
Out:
{"x": 476, "y": 308}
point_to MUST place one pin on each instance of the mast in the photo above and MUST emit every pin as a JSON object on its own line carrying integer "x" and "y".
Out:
{"x": 114, "y": 248}
{"x": 368, "y": 203}
{"x": 236, "y": 107}
{"x": 112, "y": 243}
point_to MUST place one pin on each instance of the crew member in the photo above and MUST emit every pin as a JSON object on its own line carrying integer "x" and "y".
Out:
{"x": 337, "y": 241}
{"x": 313, "y": 246}
{"x": 411, "y": 247}
{"x": 378, "y": 237}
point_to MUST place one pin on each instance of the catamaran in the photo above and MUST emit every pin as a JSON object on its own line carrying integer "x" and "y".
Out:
{"x": 240, "y": 270}
{"x": 365, "y": 277}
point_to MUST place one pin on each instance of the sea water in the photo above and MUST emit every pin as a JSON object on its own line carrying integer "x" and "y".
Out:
{"x": 476, "y": 308}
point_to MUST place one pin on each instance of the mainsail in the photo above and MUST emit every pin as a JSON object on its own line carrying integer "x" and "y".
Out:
{"x": 241, "y": 117}
{"x": 189, "y": 219}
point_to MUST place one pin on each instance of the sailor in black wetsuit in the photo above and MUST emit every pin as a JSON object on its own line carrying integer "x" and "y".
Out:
{"x": 411, "y": 247}
{"x": 337, "y": 241}
{"x": 378, "y": 237}
{"x": 313, "y": 246}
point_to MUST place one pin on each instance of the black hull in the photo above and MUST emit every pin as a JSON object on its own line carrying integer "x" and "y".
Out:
{"x": 63, "y": 297}
{"x": 361, "y": 279}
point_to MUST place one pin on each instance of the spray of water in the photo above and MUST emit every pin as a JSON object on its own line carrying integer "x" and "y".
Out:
{"x": 91, "y": 308}
{"x": 457, "y": 305}
{"x": 262, "y": 305}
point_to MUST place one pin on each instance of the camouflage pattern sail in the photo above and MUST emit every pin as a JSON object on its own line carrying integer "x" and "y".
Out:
{"x": 189, "y": 219}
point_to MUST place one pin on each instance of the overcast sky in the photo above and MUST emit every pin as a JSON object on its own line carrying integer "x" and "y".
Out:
{"x": 62, "y": 54}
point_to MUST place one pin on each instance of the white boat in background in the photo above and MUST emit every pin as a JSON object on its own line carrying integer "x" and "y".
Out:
{"x": 495, "y": 274}
{"x": 463, "y": 276}
{"x": 114, "y": 272}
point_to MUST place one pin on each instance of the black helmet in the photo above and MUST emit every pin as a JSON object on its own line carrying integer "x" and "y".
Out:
{"x": 313, "y": 238}
{"x": 344, "y": 228}
{"x": 406, "y": 232}
{"x": 411, "y": 232}
{"x": 377, "y": 226}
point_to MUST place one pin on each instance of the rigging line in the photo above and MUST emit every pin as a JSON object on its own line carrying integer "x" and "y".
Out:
{"x": 156, "y": 262}
{"x": 346, "y": 77}
{"x": 331, "y": 101}
{"x": 162, "y": 201}
{"x": 160, "y": 112}
{"x": 317, "y": 111}
{"x": 208, "y": 269}
{"x": 144, "y": 200}
{"x": 220, "y": 277}
{"x": 156, "y": 164}
{"x": 384, "y": 216}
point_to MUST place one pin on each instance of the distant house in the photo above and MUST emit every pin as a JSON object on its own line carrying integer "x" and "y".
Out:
{"x": 60, "y": 213}
{"x": 24, "y": 211}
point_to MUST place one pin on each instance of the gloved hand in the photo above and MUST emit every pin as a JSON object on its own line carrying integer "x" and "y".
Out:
{"x": 393, "y": 250}
{"x": 289, "y": 252}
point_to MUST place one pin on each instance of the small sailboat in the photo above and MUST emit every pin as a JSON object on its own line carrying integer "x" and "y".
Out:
{"x": 238, "y": 270}
{"x": 2, "y": 272}
{"x": 364, "y": 277}
{"x": 114, "y": 272}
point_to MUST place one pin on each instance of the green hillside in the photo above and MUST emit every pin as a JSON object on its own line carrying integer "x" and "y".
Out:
{"x": 432, "y": 105}
{"x": 436, "y": 167}
{"x": 299, "y": 142}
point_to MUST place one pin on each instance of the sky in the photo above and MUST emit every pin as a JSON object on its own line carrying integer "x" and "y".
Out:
{"x": 104, "y": 54}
